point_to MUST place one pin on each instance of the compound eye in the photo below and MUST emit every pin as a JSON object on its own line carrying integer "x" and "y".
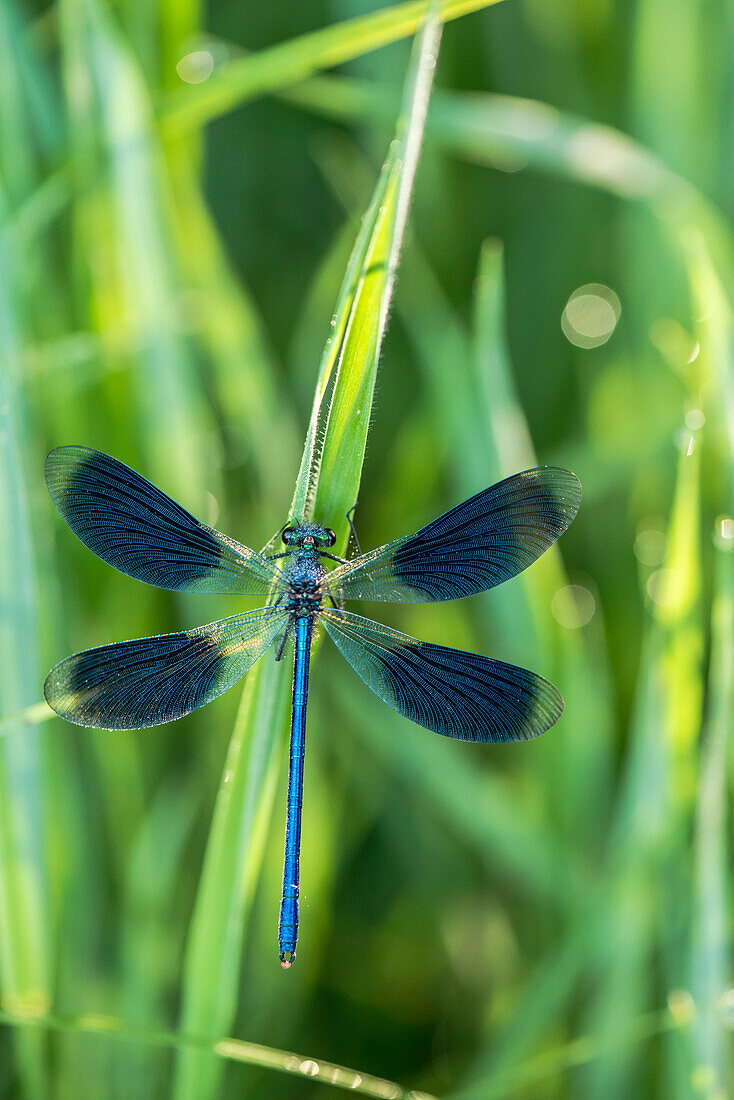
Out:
{"x": 286, "y": 535}
{"x": 331, "y": 536}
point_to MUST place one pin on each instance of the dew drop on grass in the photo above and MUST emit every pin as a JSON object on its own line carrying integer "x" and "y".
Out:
{"x": 724, "y": 533}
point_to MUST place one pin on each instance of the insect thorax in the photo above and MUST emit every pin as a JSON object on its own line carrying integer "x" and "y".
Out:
{"x": 305, "y": 577}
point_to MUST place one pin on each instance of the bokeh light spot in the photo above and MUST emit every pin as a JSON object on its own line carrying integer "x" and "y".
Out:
{"x": 660, "y": 587}
{"x": 650, "y": 546}
{"x": 674, "y": 342}
{"x": 726, "y": 1008}
{"x": 695, "y": 419}
{"x": 195, "y": 67}
{"x": 703, "y": 1079}
{"x": 681, "y": 1006}
{"x": 591, "y": 315}
{"x": 573, "y": 606}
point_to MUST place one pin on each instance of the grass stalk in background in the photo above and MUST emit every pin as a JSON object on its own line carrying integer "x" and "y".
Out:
{"x": 289, "y": 62}
{"x": 25, "y": 914}
{"x": 328, "y": 480}
{"x": 224, "y": 1050}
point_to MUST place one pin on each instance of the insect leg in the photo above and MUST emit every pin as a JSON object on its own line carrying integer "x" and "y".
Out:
{"x": 273, "y": 539}
{"x": 284, "y": 639}
{"x": 350, "y": 521}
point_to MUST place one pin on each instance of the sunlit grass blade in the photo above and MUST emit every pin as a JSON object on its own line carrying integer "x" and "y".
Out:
{"x": 25, "y": 916}
{"x": 134, "y": 280}
{"x": 29, "y": 113}
{"x": 239, "y": 1051}
{"x": 231, "y": 870}
{"x": 329, "y": 480}
{"x": 302, "y": 504}
{"x": 29, "y": 716}
{"x": 258, "y": 416}
{"x": 506, "y": 132}
{"x": 149, "y": 950}
{"x": 709, "y": 1054}
{"x": 710, "y": 940}
{"x": 562, "y": 1060}
{"x": 511, "y": 133}
{"x": 330, "y": 474}
{"x": 658, "y": 789}
{"x": 287, "y": 63}
{"x": 485, "y": 438}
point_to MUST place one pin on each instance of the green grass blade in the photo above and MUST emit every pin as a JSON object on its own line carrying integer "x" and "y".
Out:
{"x": 328, "y": 482}
{"x": 25, "y": 928}
{"x": 481, "y": 809}
{"x": 133, "y": 272}
{"x": 231, "y": 870}
{"x": 329, "y": 478}
{"x": 258, "y": 415}
{"x": 656, "y": 803}
{"x": 709, "y": 1053}
{"x": 289, "y": 62}
{"x": 505, "y": 132}
{"x": 622, "y": 1041}
{"x": 302, "y": 504}
{"x": 710, "y": 938}
{"x": 237, "y": 1051}
{"x": 509, "y": 132}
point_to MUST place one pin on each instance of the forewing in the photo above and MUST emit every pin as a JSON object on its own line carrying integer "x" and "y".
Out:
{"x": 480, "y": 543}
{"x": 139, "y": 530}
{"x": 457, "y": 694}
{"x": 149, "y": 681}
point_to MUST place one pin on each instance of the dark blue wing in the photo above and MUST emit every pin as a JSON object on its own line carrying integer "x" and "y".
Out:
{"x": 457, "y": 694}
{"x": 482, "y": 542}
{"x": 132, "y": 525}
{"x": 146, "y": 682}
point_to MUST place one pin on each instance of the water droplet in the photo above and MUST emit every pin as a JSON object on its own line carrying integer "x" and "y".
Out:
{"x": 309, "y": 1067}
{"x": 724, "y": 533}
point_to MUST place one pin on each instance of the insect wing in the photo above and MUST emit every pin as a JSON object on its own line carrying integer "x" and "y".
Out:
{"x": 480, "y": 543}
{"x": 457, "y": 694}
{"x": 135, "y": 527}
{"x": 149, "y": 681}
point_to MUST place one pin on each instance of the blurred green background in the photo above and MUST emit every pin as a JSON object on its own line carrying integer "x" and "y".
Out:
{"x": 537, "y": 921}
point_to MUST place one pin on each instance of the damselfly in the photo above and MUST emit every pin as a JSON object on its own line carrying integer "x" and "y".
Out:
{"x": 135, "y": 527}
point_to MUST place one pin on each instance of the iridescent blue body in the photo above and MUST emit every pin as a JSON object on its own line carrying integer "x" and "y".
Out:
{"x": 305, "y": 574}
{"x": 482, "y": 542}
